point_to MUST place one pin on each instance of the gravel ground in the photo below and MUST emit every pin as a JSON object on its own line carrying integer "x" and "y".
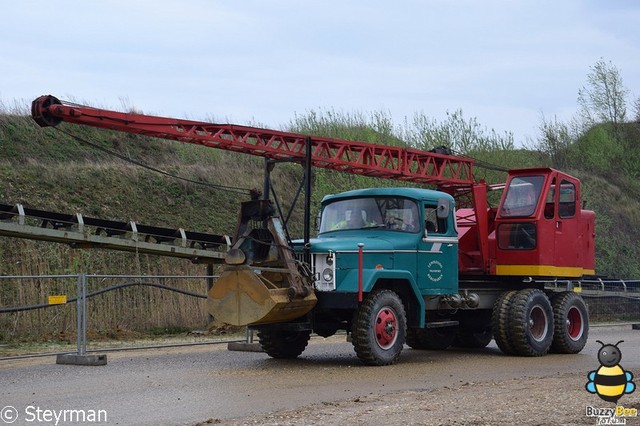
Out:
{"x": 327, "y": 385}
{"x": 560, "y": 400}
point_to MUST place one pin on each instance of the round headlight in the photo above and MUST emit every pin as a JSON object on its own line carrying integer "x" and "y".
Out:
{"x": 327, "y": 274}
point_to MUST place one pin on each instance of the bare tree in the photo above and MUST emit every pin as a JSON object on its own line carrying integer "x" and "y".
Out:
{"x": 455, "y": 132}
{"x": 636, "y": 109}
{"x": 555, "y": 139}
{"x": 603, "y": 99}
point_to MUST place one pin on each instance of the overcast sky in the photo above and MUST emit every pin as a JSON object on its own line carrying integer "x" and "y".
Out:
{"x": 263, "y": 61}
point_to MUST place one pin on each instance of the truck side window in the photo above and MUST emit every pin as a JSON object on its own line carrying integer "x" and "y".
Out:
{"x": 432, "y": 224}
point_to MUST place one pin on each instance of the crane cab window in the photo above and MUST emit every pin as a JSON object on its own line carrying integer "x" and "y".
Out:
{"x": 550, "y": 204}
{"x": 567, "y": 200}
{"x": 522, "y": 196}
{"x": 517, "y": 236}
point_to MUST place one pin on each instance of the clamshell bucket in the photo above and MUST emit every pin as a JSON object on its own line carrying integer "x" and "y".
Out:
{"x": 242, "y": 297}
{"x": 262, "y": 282}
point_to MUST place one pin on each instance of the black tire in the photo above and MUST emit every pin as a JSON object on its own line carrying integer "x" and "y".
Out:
{"x": 431, "y": 338}
{"x": 531, "y": 322}
{"x": 283, "y": 344}
{"x": 473, "y": 338}
{"x": 413, "y": 338}
{"x": 438, "y": 338}
{"x": 379, "y": 328}
{"x": 500, "y": 322}
{"x": 325, "y": 332}
{"x": 571, "y": 320}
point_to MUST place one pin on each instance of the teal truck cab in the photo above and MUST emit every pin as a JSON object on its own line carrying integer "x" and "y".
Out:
{"x": 380, "y": 255}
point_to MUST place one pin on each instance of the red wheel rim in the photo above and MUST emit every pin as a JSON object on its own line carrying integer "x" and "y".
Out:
{"x": 538, "y": 323}
{"x": 575, "y": 324}
{"x": 386, "y": 328}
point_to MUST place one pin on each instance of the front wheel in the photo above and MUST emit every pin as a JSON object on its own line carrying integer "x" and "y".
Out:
{"x": 285, "y": 344}
{"x": 379, "y": 328}
{"x": 571, "y": 323}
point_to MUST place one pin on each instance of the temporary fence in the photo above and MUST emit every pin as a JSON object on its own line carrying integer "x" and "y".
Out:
{"x": 118, "y": 318}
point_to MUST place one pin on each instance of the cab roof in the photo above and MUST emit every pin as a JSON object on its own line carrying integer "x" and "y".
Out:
{"x": 420, "y": 194}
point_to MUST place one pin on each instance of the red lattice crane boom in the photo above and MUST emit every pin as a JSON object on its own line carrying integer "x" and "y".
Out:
{"x": 390, "y": 162}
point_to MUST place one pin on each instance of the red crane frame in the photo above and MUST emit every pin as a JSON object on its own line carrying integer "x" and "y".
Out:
{"x": 390, "y": 162}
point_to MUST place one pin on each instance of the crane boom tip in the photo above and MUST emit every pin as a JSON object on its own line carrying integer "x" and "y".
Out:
{"x": 40, "y": 110}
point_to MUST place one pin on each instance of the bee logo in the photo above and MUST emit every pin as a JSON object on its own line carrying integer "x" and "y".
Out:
{"x": 610, "y": 381}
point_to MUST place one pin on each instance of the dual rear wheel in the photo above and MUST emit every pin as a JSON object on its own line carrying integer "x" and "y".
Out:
{"x": 571, "y": 323}
{"x": 527, "y": 323}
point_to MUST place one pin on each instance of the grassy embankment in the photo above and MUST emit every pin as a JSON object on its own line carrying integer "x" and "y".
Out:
{"x": 47, "y": 169}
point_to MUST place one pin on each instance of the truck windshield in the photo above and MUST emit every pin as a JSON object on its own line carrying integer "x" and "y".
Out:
{"x": 394, "y": 213}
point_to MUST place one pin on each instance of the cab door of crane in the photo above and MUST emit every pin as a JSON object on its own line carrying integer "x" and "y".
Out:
{"x": 540, "y": 223}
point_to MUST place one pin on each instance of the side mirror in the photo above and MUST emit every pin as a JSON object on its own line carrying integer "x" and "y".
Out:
{"x": 442, "y": 212}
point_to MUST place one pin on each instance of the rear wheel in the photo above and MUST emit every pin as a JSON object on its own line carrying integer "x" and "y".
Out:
{"x": 500, "y": 322}
{"x": 379, "y": 328}
{"x": 571, "y": 320}
{"x": 283, "y": 343}
{"x": 531, "y": 322}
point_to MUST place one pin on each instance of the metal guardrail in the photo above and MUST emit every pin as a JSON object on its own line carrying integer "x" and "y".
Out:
{"x": 598, "y": 287}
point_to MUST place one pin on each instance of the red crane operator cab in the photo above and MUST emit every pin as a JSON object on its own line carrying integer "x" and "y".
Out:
{"x": 541, "y": 229}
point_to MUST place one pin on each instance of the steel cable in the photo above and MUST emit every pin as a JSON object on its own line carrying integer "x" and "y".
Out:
{"x": 105, "y": 290}
{"x": 146, "y": 166}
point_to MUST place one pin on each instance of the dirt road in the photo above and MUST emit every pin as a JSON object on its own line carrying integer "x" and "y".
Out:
{"x": 326, "y": 385}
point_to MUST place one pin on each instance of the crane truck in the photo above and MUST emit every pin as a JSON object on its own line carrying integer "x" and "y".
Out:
{"x": 429, "y": 268}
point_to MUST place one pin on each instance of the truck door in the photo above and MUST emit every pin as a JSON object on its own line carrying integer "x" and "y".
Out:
{"x": 437, "y": 262}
